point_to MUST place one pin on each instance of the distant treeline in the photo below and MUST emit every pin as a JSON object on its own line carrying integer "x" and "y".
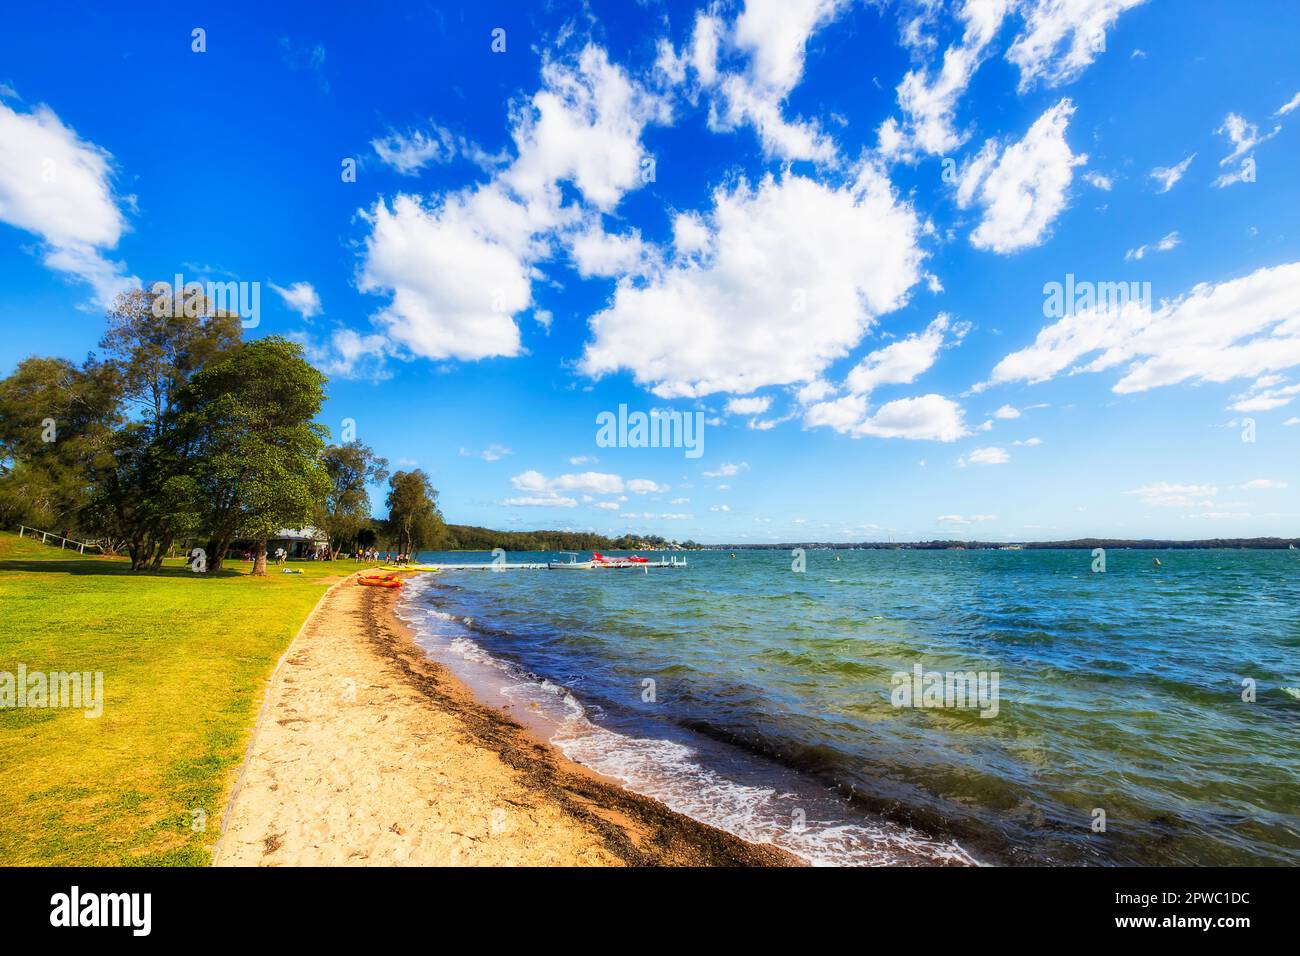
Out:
{"x": 1081, "y": 543}
{"x": 463, "y": 537}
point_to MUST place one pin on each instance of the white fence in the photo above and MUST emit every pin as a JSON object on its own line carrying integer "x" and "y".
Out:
{"x": 81, "y": 546}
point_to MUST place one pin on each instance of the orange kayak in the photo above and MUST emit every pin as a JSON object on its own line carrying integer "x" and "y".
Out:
{"x": 381, "y": 581}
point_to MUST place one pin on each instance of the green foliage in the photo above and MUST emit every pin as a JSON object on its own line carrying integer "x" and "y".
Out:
{"x": 345, "y": 512}
{"x": 156, "y": 351}
{"x": 56, "y": 421}
{"x": 258, "y": 454}
{"x": 414, "y": 521}
{"x": 146, "y": 496}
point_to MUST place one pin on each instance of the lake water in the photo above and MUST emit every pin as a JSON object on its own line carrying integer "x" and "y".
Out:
{"x": 763, "y": 701}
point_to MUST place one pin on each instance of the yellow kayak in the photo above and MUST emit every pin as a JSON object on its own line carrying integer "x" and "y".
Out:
{"x": 410, "y": 567}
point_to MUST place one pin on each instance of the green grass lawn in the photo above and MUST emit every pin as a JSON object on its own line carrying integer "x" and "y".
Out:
{"x": 185, "y": 658}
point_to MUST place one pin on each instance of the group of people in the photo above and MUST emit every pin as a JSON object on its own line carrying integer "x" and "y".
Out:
{"x": 369, "y": 555}
{"x": 278, "y": 556}
{"x": 375, "y": 556}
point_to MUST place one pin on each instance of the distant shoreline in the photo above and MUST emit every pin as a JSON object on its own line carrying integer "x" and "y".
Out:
{"x": 956, "y": 544}
{"x": 1078, "y": 544}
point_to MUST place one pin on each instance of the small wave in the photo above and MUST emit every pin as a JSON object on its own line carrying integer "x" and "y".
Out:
{"x": 794, "y": 814}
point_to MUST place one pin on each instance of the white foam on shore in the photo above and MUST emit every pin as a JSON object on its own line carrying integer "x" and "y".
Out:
{"x": 811, "y": 823}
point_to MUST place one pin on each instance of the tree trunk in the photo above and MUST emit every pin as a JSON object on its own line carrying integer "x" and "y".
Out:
{"x": 164, "y": 546}
{"x": 139, "y": 555}
{"x": 217, "y": 553}
{"x": 259, "y": 563}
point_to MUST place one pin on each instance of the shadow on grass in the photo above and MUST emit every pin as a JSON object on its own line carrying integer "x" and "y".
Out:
{"x": 119, "y": 568}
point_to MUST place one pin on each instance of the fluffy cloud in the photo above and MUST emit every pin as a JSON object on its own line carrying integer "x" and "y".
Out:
{"x": 1244, "y": 137}
{"x": 927, "y": 417}
{"x": 411, "y": 151}
{"x": 544, "y": 501}
{"x": 985, "y": 456}
{"x": 758, "y": 309}
{"x": 598, "y": 253}
{"x": 1022, "y": 188}
{"x": 750, "y": 66}
{"x": 301, "y": 297}
{"x": 490, "y": 453}
{"x": 899, "y": 363}
{"x": 756, "y": 405}
{"x": 1062, "y": 37}
{"x": 644, "y": 486}
{"x": 1168, "y": 176}
{"x": 58, "y": 187}
{"x": 1264, "y": 484}
{"x": 459, "y": 267}
{"x": 1217, "y": 332}
{"x": 584, "y": 126}
{"x": 1266, "y": 394}
{"x": 348, "y": 354}
{"x": 929, "y": 99}
{"x": 728, "y": 470}
{"x": 455, "y": 283}
{"x": 1170, "y": 241}
{"x": 587, "y": 482}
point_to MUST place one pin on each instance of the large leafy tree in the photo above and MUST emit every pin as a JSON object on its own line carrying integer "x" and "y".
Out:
{"x": 56, "y": 422}
{"x": 146, "y": 496}
{"x": 414, "y": 520}
{"x": 156, "y": 349}
{"x": 345, "y": 512}
{"x": 258, "y": 458}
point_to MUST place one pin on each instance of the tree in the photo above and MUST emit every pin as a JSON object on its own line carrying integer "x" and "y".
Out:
{"x": 259, "y": 456}
{"x": 143, "y": 498}
{"x": 157, "y": 349}
{"x": 56, "y": 422}
{"x": 413, "y": 516}
{"x": 146, "y": 495}
{"x": 346, "y": 509}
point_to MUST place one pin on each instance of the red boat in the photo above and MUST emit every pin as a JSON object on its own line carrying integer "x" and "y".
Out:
{"x": 380, "y": 581}
{"x": 599, "y": 560}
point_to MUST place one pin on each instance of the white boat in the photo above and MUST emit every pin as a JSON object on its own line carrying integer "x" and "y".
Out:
{"x": 573, "y": 564}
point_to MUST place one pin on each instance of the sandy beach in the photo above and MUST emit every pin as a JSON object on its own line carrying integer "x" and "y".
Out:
{"x": 368, "y": 753}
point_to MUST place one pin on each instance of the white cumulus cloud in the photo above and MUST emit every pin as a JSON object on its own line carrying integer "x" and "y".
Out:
{"x": 1021, "y": 189}
{"x": 58, "y": 187}
{"x": 759, "y": 310}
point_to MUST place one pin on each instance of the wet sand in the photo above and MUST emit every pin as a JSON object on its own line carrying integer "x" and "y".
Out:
{"x": 368, "y": 753}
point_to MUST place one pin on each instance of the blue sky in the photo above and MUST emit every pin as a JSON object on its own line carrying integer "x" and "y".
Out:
{"x": 827, "y": 226}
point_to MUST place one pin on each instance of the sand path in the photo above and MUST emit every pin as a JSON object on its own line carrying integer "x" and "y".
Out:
{"x": 368, "y": 753}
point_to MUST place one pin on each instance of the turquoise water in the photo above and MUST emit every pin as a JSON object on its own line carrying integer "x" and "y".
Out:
{"x": 772, "y": 712}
